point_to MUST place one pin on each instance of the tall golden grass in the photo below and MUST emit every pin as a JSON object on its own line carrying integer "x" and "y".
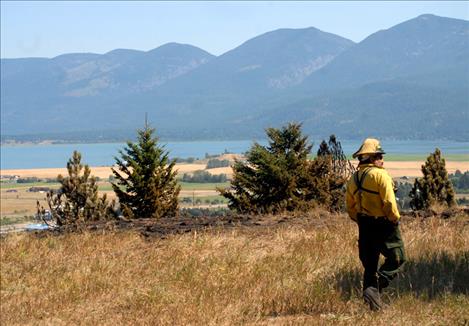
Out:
{"x": 295, "y": 274}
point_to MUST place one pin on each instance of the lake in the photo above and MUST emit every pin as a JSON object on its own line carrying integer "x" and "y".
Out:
{"x": 102, "y": 154}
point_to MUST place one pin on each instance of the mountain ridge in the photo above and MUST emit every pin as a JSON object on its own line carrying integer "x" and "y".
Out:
{"x": 307, "y": 75}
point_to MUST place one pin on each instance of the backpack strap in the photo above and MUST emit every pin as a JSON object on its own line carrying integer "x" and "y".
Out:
{"x": 359, "y": 182}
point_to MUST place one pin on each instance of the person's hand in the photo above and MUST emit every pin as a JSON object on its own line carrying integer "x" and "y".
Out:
{"x": 395, "y": 223}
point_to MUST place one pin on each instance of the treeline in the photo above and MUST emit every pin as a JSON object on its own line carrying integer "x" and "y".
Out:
{"x": 201, "y": 176}
{"x": 188, "y": 160}
{"x": 275, "y": 178}
{"x": 460, "y": 181}
{"x": 42, "y": 180}
{"x": 216, "y": 163}
{"x": 36, "y": 180}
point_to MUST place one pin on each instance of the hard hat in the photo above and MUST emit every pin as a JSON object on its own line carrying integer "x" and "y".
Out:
{"x": 369, "y": 146}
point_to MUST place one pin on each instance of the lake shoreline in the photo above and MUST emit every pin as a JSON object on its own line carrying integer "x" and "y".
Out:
{"x": 103, "y": 154}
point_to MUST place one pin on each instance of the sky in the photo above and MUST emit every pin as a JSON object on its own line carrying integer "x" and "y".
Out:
{"x": 51, "y": 28}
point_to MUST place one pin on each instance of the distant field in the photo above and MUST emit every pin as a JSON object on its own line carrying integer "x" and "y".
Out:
{"x": 21, "y": 203}
{"x": 413, "y": 168}
{"x": 411, "y": 163}
{"x": 8, "y": 185}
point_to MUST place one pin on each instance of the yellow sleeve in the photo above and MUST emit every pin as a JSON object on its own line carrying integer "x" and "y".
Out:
{"x": 350, "y": 200}
{"x": 386, "y": 191}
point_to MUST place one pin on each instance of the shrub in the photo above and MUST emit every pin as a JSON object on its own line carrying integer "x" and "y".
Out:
{"x": 77, "y": 199}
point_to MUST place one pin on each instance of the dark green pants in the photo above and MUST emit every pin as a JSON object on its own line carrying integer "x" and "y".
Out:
{"x": 379, "y": 236}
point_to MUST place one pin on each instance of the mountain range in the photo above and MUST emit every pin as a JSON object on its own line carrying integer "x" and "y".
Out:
{"x": 410, "y": 81}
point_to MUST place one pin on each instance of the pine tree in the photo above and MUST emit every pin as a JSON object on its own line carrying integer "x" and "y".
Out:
{"x": 77, "y": 199}
{"x": 434, "y": 187}
{"x": 273, "y": 178}
{"x": 323, "y": 149}
{"x": 146, "y": 182}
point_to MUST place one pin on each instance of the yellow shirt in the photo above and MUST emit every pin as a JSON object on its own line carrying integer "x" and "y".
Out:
{"x": 377, "y": 195}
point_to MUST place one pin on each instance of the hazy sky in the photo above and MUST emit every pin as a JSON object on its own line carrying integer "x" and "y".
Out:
{"x": 48, "y": 29}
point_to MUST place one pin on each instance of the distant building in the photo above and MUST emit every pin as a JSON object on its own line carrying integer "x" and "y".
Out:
{"x": 7, "y": 177}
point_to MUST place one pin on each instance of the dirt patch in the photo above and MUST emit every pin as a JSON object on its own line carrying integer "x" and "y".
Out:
{"x": 165, "y": 227}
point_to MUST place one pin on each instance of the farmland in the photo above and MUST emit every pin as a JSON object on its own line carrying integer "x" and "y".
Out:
{"x": 20, "y": 204}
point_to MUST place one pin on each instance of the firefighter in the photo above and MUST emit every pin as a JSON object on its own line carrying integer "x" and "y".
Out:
{"x": 371, "y": 203}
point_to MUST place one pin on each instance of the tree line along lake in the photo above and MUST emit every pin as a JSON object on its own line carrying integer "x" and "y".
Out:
{"x": 102, "y": 154}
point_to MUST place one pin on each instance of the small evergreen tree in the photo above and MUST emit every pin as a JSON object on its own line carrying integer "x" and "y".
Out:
{"x": 77, "y": 199}
{"x": 334, "y": 169}
{"x": 323, "y": 149}
{"x": 434, "y": 187}
{"x": 146, "y": 182}
{"x": 340, "y": 164}
{"x": 273, "y": 178}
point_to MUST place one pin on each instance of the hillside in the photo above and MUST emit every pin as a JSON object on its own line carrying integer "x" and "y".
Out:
{"x": 424, "y": 46}
{"x": 386, "y": 83}
{"x": 65, "y": 91}
{"x": 280, "y": 270}
{"x": 417, "y": 68}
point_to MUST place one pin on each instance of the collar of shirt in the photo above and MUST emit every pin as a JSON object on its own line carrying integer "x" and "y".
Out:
{"x": 362, "y": 166}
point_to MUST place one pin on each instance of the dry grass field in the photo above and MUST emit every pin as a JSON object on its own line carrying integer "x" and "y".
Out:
{"x": 293, "y": 274}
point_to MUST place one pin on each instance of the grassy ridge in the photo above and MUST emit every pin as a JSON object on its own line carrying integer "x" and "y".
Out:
{"x": 404, "y": 157}
{"x": 303, "y": 274}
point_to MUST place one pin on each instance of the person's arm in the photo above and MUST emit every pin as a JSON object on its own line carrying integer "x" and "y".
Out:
{"x": 350, "y": 201}
{"x": 386, "y": 191}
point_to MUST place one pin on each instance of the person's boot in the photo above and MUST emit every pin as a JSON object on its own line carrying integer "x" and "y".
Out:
{"x": 371, "y": 297}
{"x": 382, "y": 284}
